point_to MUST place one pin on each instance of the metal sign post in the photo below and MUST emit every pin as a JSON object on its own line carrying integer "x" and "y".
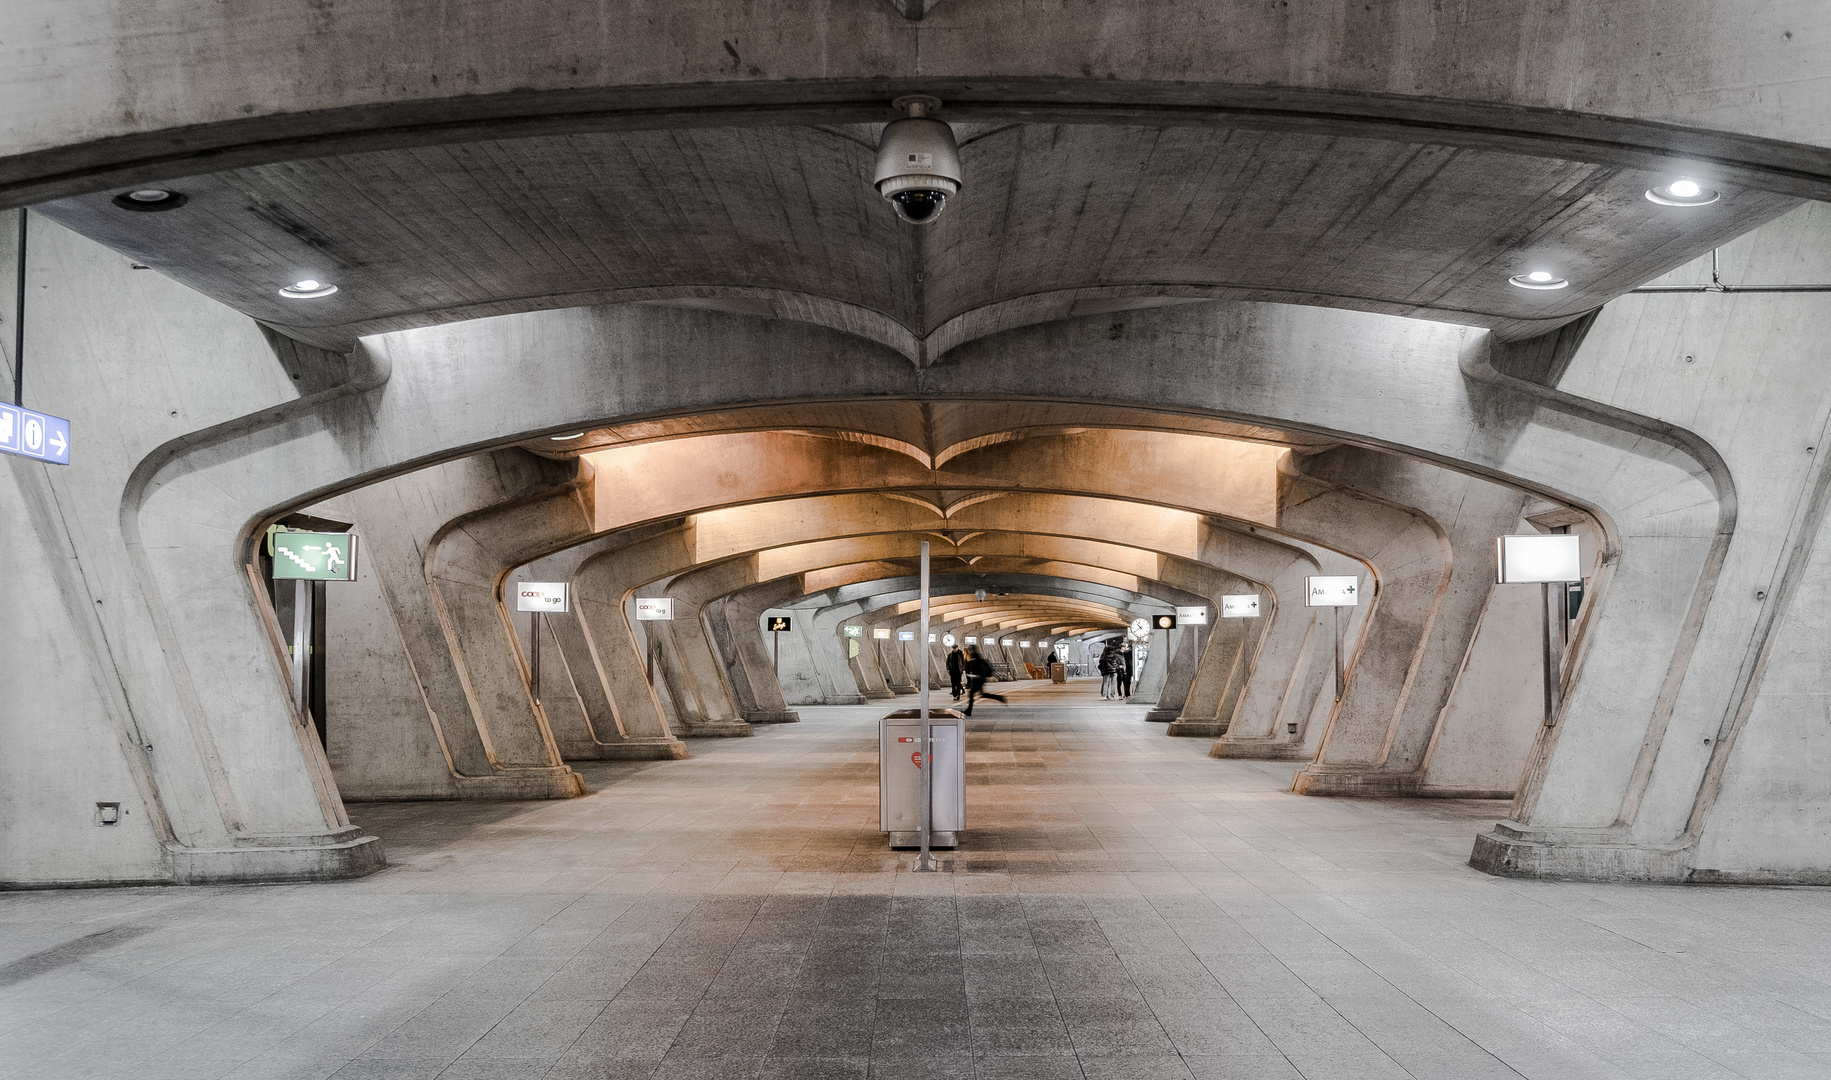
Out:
{"x": 304, "y": 557}
{"x": 777, "y": 624}
{"x": 1553, "y": 561}
{"x": 1337, "y": 592}
{"x": 301, "y": 642}
{"x": 926, "y": 861}
{"x": 536, "y": 598}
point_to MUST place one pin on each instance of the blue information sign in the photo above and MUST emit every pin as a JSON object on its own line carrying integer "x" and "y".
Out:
{"x": 34, "y": 435}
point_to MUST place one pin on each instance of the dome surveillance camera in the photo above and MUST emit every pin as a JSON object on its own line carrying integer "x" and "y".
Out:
{"x": 918, "y": 164}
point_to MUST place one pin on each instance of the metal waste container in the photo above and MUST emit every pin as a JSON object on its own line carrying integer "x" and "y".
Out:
{"x": 899, "y": 778}
{"x": 1058, "y": 673}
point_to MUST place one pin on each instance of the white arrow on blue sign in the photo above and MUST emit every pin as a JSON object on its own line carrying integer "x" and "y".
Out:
{"x": 34, "y": 435}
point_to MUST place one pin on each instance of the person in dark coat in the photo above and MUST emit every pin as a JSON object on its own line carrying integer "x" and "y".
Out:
{"x": 1109, "y": 669}
{"x": 1125, "y": 670}
{"x": 978, "y": 670}
{"x": 956, "y": 663}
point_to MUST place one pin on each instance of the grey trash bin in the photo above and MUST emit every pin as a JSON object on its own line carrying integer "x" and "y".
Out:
{"x": 899, "y": 778}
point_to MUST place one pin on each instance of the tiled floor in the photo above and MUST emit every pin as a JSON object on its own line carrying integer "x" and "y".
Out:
{"x": 1125, "y": 907}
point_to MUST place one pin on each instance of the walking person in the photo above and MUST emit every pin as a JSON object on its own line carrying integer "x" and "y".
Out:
{"x": 956, "y": 664}
{"x": 978, "y": 670}
{"x": 1125, "y": 670}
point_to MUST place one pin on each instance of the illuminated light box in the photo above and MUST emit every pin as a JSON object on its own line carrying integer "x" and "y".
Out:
{"x": 905, "y": 635}
{"x": 1192, "y": 616}
{"x": 971, "y": 640}
{"x": 1331, "y": 591}
{"x": 1006, "y": 643}
{"x": 1240, "y": 606}
{"x": 1537, "y": 558}
{"x": 881, "y": 633}
{"x": 655, "y": 609}
{"x": 855, "y": 631}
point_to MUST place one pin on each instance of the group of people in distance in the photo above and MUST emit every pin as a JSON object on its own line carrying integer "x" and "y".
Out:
{"x": 1116, "y": 669}
{"x": 968, "y": 672}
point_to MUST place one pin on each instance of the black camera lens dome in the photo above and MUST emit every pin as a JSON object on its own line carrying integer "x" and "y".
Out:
{"x": 918, "y": 206}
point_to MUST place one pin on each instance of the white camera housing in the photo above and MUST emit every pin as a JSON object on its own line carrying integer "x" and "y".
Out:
{"x": 918, "y": 163}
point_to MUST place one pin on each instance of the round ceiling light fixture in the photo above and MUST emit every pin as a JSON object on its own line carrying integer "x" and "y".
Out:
{"x": 307, "y": 289}
{"x": 149, "y": 200}
{"x": 1538, "y": 279}
{"x": 567, "y": 438}
{"x": 1683, "y": 192}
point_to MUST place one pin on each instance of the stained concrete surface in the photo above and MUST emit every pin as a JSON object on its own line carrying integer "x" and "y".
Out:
{"x": 1125, "y": 906}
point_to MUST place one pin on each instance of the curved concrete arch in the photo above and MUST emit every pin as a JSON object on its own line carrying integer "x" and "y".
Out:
{"x": 755, "y": 528}
{"x": 1217, "y": 359}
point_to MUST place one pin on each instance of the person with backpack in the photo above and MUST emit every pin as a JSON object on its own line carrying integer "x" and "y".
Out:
{"x": 978, "y": 671}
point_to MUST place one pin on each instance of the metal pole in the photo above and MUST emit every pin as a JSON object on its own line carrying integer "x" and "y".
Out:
{"x": 301, "y": 641}
{"x": 1556, "y": 608}
{"x": 775, "y": 641}
{"x": 534, "y": 659}
{"x": 19, "y": 322}
{"x": 926, "y": 861}
{"x": 1341, "y": 671}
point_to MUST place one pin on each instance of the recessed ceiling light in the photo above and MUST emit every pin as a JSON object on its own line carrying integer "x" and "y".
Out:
{"x": 1538, "y": 279}
{"x": 307, "y": 289}
{"x": 563, "y": 438}
{"x": 149, "y": 199}
{"x": 1683, "y": 191}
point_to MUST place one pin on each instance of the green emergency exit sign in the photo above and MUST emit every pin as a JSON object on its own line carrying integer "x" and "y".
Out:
{"x": 314, "y": 556}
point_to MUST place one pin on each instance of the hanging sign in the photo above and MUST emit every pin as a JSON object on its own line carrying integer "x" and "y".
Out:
{"x": 1331, "y": 591}
{"x": 1192, "y": 616}
{"x": 35, "y": 435}
{"x": 655, "y": 609}
{"x": 313, "y": 556}
{"x": 541, "y": 596}
{"x": 905, "y": 635}
{"x": 1537, "y": 558}
{"x": 1241, "y": 606}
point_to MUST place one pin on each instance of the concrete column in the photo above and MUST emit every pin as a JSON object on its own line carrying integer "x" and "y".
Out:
{"x": 1434, "y": 579}
{"x": 409, "y": 715}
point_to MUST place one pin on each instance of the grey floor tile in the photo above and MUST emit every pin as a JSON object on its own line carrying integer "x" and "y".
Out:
{"x": 1122, "y": 897}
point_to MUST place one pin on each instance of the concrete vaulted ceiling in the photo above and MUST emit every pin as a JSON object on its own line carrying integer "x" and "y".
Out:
{"x": 1057, "y": 221}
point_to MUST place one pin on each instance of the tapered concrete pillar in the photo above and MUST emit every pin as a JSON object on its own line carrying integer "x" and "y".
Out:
{"x": 413, "y": 718}
{"x": 1435, "y": 577}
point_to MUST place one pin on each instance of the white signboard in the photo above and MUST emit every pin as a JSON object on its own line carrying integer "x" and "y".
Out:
{"x": 971, "y": 640}
{"x": 540, "y": 596}
{"x": 655, "y": 609}
{"x": 1537, "y": 557}
{"x": 905, "y": 635}
{"x": 1192, "y": 616}
{"x": 1240, "y": 606}
{"x": 880, "y": 633}
{"x": 1332, "y": 592}
{"x": 1023, "y": 644}
{"x": 1007, "y": 643}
